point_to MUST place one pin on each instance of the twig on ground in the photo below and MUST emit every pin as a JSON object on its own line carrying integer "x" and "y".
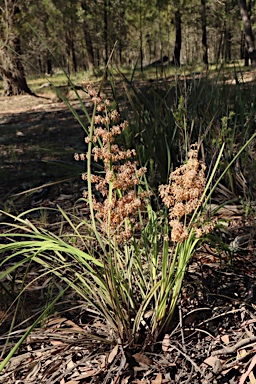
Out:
{"x": 239, "y": 344}
{"x": 221, "y": 315}
{"x": 182, "y": 330}
{"x": 187, "y": 357}
{"x": 188, "y": 380}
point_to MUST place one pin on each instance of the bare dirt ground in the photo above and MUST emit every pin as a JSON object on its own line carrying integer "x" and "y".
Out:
{"x": 213, "y": 338}
{"x": 37, "y": 143}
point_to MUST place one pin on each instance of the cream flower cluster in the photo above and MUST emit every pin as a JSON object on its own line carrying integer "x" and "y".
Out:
{"x": 183, "y": 195}
{"x": 118, "y": 212}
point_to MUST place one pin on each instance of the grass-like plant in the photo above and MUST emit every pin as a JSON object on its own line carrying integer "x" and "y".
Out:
{"x": 169, "y": 115}
{"x": 127, "y": 261}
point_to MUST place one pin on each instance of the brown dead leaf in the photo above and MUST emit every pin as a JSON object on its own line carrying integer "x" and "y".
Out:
{"x": 213, "y": 361}
{"x": 113, "y": 354}
{"x": 55, "y": 321}
{"x": 225, "y": 339}
{"x": 71, "y": 364}
{"x": 34, "y": 368}
{"x": 248, "y": 372}
{"x": 18, "y": 360}
{"x": 89, "y": 373}
{"x": 74, "y": 325}
{"x": 158, "y": 379}
{"x": 56, "y": 342}
{"x": 69, "y": 382}
{"x": 102, "y": 359}
{"x": 166, "y": 342}
{"x": 116, "y": 380}
{"x": 125, "y": 380}
{"x": 142, "y": 359}
{"x": 241, "y": 353}
{"x": 252, "y": 378}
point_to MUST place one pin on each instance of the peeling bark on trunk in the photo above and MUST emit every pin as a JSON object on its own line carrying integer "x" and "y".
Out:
{"x": 11, "y": 67}
{"x": 249, "y": 38}
{"x": 12, "y": 71}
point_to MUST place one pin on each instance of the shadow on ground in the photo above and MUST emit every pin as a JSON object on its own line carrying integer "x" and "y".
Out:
{"x": 37, "y": 148}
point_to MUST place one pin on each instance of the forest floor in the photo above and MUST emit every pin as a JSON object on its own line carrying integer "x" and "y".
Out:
{"x": 37, "y": 145}
{"x": 213, "y": 338}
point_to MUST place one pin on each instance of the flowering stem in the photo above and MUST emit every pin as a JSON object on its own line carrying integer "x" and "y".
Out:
{"x": 89, "y": 164}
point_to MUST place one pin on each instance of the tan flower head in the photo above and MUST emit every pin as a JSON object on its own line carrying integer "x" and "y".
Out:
{"x": 118, "y": 212}
{"x": 183, "y": 195}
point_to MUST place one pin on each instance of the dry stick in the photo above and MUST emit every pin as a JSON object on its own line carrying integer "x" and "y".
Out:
{"x": 195, "y": 329}
{"x": 182, "y": 330}
{"x": 239, "y": 344}
{"x": 188, "y": 380}
{"x": 176, "y": 329}
{"x": 238, "y": 360}
{"x": 43, "y": 186}
{"x": 81, "y": 362}
{"x": 188, "y": 358}
{"x": 221, "y": 315}
{"x": 112, "y": 366}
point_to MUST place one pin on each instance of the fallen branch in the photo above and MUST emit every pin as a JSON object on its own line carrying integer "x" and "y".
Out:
{"x": 239, "y": 344}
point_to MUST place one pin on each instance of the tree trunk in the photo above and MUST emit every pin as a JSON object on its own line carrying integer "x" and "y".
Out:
{"x": 227, "y": 35}
{"x": 71, "y": 56}
{"x": 177, "y": 47}
{"x": 228, "y": 39}
{"x": 89, "y": 46}
{"x": 88, "y": 39}
{"x": 121, "y": 30}
{"x": 204, "y": 34}
{"x": 49, "y": 70}
{"x": 11, "y": 67}
{"x": 249, "y": 38}
{"x": 106, "y": 37}
{"x": 219, "y": 48}
{"x": 141, "y": 39}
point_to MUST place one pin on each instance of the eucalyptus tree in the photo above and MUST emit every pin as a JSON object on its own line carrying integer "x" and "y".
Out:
{"x": 249, "y": 37}
{"x": 178, "y": 35}
{"x": 61, "y": 31}
{"x": 11, "y": 65}
{"x": 204, "y": 33}
{"x": 85, "y": 17}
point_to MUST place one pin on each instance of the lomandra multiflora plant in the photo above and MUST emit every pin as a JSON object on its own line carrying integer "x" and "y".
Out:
{"x": 129, "y": 261}
{"x": 118, "y": 200}
{"x": 157, "y": 247}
